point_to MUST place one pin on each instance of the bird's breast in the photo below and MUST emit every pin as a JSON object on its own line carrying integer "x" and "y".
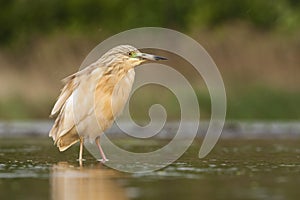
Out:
{"x": 111, "y": 95}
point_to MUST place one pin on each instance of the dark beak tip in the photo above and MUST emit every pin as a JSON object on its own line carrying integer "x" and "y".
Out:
{"x": 160, "y": 58}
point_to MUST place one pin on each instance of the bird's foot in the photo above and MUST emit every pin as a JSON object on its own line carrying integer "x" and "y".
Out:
{"x": 80, "y": 161}
{"x": 102, "y": 160}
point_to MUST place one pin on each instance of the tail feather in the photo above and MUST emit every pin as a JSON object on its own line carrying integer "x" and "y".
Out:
{"x": 64, "y": 132}
{"x": 67, "y": 140}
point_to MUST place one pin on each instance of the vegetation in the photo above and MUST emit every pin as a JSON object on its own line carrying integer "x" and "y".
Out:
{"x": 22, "y": 19}
{"x": 255, "y": 44}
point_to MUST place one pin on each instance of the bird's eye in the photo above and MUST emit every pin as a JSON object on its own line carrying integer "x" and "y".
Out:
{"x": 131, "y": 54}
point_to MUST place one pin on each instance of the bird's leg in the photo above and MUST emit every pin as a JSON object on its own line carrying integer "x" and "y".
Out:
{"x": 104, "y": 159}
{"x": 80, "y": 151}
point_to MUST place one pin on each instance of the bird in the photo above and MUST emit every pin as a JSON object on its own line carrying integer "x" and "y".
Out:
{"x": 93, "y": 97}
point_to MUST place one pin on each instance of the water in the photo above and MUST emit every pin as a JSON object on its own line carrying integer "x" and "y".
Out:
{"x": 32, "y": 168}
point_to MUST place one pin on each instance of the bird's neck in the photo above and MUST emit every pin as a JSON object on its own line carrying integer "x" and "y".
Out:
{"x": 118, "y": 71}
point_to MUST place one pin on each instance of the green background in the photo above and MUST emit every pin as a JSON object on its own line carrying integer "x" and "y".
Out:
{"x": 255, "y": 44}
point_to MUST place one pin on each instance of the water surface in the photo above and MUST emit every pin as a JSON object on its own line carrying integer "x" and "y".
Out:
{"x": 32, "y": 168}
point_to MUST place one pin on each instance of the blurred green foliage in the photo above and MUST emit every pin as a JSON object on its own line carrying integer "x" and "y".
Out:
{"x": 263, "y": 103}
{"x": 257, "y": 103}
{"x": 22, "y": 20}
{"x": 266, "y": 14}
{"x": 17, "y": 107}
{"x": 25, "y": 18}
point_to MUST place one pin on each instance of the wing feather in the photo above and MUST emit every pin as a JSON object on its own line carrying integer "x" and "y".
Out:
{"x": 76, "y": 96}
{"x": 66, "y": 92}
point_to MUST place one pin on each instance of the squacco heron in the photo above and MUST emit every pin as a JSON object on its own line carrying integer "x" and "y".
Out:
{"x": 93, "y": 97}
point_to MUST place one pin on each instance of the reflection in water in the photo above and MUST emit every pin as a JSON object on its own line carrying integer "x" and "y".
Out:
{"x": 69, "y": 182}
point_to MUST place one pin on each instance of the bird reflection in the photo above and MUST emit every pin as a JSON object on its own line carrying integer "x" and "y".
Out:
{"x": 69, "y": 182}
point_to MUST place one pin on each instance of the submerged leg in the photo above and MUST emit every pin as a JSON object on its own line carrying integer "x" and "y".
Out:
{"x": 104, "y": 159}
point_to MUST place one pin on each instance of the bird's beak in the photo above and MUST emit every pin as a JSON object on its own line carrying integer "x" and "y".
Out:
{"x": 151, "y": 57}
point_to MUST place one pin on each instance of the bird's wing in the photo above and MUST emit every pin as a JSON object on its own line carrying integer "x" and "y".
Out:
{"x": 71, "y": 83}
{"x": 76, "y": 96}
{"x": 66, "y": 92}
{"x": 62, "y": 123}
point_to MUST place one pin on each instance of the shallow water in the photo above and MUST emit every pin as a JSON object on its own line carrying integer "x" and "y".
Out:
{"x": 32, "y": 168}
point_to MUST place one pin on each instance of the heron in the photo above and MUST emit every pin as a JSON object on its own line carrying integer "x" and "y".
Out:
{"x": 93, "y": 97}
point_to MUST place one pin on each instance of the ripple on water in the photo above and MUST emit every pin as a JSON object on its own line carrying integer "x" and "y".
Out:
{"x": 2, "y": 166}
{"x": 18, "y": 150}
{"x": 187, "y": 171}
{"x": 23, "y": 173}
{"x": 24, "y": 169}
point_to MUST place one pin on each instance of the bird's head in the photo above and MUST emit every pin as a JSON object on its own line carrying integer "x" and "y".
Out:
{"x": 128, "y": 56}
